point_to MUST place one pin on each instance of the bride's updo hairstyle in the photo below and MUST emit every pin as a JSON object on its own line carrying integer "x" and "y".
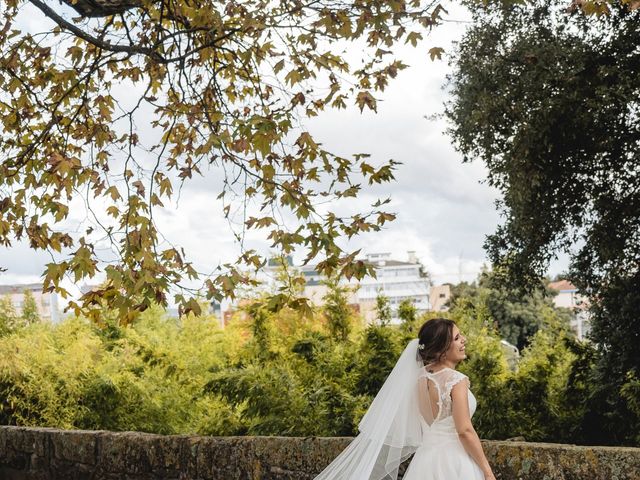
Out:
{"x": 434, "y": 339}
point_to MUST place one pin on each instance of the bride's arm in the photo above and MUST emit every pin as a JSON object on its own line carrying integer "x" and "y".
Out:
{"x": 467, "y": 434}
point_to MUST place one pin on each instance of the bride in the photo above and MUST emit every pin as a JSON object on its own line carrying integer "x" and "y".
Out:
{"x": 424, "y": 408}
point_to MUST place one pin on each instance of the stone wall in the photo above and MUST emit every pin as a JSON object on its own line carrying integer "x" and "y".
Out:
{"x": 48, "y": 454}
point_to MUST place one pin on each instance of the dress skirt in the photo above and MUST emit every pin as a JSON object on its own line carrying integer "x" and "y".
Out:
{"x": 442, "y": 456}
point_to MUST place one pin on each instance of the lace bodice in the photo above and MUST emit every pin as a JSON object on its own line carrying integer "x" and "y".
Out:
{"x": 435, "y": 394}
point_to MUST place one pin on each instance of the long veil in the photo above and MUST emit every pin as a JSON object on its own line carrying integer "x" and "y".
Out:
{"x": 390, "y": 430}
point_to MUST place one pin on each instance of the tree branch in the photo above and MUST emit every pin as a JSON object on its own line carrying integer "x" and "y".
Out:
{"x": 105, "y": 45}
{"x": 130, "y": 49}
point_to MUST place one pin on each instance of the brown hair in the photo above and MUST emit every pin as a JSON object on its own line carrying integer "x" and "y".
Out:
{"x": 434, "y": 339}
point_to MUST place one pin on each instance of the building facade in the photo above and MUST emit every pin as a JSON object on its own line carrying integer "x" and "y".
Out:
{"x": 439, "y": 297}
{"x": 395, "y": 279}
{"x": 47, "y": 302}
{"x": 569, "y": 297}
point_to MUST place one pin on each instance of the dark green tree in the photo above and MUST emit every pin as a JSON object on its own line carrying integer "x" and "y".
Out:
{"x": 548, "y": 100}
{"x": 378, "y": 354}
{"x": 516, "y": 316}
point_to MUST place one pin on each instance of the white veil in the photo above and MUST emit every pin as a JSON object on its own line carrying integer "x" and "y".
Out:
{"x": 390, "y": 431}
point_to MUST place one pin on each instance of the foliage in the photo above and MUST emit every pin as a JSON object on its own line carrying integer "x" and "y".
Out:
{"x": 223, "y": 86}
{"x": 630, "y": 391}
{"x": 305, "y": 387}
{"x": 8, "y": 317}
{"x": 43, "y": 371}
{"x": 539, "y": 382}
{"x": 261, "y": 330}
{"x": 378, "y": 354}
{"x": 538, "y": 400}
{"x": 485, "y": 366}
{"x": 517, "y": 317}
{"x": 549, "y": 102}
{"x": 149, "y": 379}
{"x": 383, "y": 309}
{"x": 577, "y": 399}
{"x": 336, "y": 310}
{"x": 29, "y": 308}
{"x": 190, "y": 376}
{"x": 408, "y": 313}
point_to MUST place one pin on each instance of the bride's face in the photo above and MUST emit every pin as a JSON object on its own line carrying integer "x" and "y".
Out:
{"x": 456, "y": 351}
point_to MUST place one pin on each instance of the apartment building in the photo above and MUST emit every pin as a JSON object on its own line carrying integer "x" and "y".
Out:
{"x": 47, "y": 302}
{"x": 398, "y": 280}
{"x": 569, "y": 297}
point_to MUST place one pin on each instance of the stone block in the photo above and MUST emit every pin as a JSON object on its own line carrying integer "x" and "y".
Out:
{"x": 75, "y": 446}
{"x": 7, "y": 473}
{"x": 66, "y": 470}
{"x": 190, "y": 451}
{"x": 15, "y": 460}
{"x": 221, "y": 458}
{"x": 124, "y": 453}
{"x": 38, "y": 463}
{"x": 169, "y": 456}
{"x": 3, "y": 440}
{"x": 533, "y": 461}
{"x": 28, "y": 440}
{"x": 310, "y": 454}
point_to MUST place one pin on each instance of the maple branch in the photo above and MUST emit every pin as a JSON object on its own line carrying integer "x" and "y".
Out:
{"x": 105, "y": 45}
{"x": 131, "y": 49}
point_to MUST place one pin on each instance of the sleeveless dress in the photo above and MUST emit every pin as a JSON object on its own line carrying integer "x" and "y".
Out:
{"x": 441, "y": 455}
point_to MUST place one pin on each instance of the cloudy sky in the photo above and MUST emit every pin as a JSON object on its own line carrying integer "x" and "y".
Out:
{"x": 444, "y": 208}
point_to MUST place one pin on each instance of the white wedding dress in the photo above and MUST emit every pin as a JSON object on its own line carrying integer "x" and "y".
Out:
{"x": 441, "y": 455}
{"x": 410, "y": 415}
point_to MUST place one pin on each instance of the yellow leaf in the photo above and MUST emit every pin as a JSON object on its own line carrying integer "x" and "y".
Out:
{"x": 305, "y": 140}
{"x": 268, "y": 172}
{"x": 365, "y": 98}
{"x": 262, "y": 144}
{"x": 436, "y": 52}
{"x": 156, "y": 201}
{"x": 165, "y": 187}
{"x": 113, "y": 211}
{"x": 413, "y": 38}
{"x": 113, "y": 191}
{"x": 278, "y": 66}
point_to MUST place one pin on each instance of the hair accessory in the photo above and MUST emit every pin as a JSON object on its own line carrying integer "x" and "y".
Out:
{"x": 421, "y": 346}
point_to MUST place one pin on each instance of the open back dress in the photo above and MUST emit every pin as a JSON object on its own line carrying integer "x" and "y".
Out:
{"x": 441, "y": 455}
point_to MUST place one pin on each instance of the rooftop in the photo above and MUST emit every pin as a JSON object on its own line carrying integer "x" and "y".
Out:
{"x": 18, "y": 288}
{"x": 391, "y": 263}
{"x": 562, "y": 286}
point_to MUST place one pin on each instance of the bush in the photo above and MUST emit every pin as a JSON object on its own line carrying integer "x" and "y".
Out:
{"x": 297, "y": 377}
